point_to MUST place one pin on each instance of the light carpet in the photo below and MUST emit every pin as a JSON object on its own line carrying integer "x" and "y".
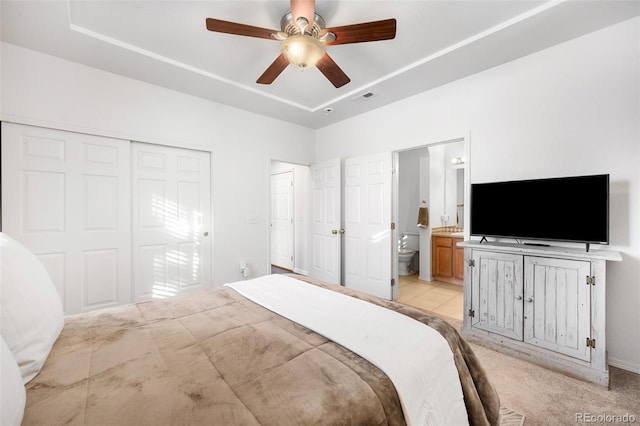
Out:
{"x": 510, "y": 418}
{"x": 546, "y": 397}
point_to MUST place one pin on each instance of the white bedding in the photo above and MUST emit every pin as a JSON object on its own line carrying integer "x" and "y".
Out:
{"x": 414, "y": 356}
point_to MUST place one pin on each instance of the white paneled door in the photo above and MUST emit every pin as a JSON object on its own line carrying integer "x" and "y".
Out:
{"x": 367, "y": 220}
{"x": 66, "y": 196}
{"x": 171, "y": 218}
{"x": 326, "y": 229}
{"x": 282, "y": 220}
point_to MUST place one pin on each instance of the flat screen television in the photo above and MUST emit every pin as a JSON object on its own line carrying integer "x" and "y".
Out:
{"x": 568, "y": 209}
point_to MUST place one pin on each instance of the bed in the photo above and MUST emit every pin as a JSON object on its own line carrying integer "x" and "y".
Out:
{"x": 220, "y": 357}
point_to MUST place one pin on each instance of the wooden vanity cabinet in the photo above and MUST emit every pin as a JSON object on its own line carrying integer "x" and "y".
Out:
{"x": 447, "y": 259}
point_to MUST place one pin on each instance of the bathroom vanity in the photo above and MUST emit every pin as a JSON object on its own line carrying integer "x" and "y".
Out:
{"x": 447, "y": 259}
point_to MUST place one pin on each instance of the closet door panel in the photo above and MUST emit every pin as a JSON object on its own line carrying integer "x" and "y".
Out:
{"x": 100, "y": 279}
{"x": 66, "y": 196}
{"x": 43, "y": 202}
{"x": 171, "y": 217}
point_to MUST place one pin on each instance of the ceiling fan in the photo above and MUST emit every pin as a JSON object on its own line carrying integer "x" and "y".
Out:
{"x": 304, "y": 37}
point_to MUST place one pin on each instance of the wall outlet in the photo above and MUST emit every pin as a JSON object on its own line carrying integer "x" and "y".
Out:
{"x": 244, "y": 269}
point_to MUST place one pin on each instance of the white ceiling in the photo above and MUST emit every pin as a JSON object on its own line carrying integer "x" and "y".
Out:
{"x": 166, "y": 43}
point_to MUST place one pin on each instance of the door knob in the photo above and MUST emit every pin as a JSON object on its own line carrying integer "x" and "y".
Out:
{"x": 206, "y": 234}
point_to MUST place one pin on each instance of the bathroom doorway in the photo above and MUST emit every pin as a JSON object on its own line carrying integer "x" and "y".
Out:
{"x": 434, "y": 177}
{"x": 430, "y": 193}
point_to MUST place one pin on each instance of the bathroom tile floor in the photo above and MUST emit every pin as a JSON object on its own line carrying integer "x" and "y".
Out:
{"x": 434, "y": 296}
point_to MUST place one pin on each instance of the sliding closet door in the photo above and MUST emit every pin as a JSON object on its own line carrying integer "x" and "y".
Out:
{"x": 171, "y": 219}
{"x": 66, "y": 196}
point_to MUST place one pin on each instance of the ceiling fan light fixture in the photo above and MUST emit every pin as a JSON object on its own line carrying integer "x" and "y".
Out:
{"x": 302, "y": 51}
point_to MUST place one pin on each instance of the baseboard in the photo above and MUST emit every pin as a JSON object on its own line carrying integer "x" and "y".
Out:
{"x": 301, "y": 272}
{"x": 634, "y": 368}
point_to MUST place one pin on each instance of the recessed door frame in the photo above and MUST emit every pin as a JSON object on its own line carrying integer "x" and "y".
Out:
{"x": 395, "y": 192}
{"x": 300, "y": 251}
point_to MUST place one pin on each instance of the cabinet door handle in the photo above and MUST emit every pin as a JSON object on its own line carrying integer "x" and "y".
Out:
{"x": 529, "y": 299}
{"x": 518, "y": 297}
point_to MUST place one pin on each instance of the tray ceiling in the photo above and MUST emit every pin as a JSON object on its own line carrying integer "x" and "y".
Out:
{"x": 166, "y": 43}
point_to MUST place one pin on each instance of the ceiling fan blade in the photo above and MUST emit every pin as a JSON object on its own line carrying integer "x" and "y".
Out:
{"x": 367, "y": 31}
{"x": 332, "y": 71}
{"x": 227, "y": 27}
{"x": 274, "y": 70}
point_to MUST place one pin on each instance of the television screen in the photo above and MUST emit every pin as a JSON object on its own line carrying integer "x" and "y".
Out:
{"x": 571, "y": 209}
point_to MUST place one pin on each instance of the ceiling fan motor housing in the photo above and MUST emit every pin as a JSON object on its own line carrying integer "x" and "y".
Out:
{"x": 288, "y": 26}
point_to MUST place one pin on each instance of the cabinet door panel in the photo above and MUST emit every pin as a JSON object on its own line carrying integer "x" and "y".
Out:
{"x": 557, "y": 307}
{"x": 443, "y": 262}
{"x": 497, "y": 293}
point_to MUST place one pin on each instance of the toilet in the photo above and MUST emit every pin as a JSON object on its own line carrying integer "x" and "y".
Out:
{"x": 408, "y": 254}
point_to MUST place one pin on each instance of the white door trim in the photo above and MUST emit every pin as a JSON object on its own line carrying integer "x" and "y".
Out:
{"x": 467, "y": 193}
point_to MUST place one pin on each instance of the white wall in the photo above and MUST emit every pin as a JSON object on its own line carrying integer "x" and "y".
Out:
{"x": 425, "y": 233}
{"x": 408, "y": 192}
{"x": 43, "y": 90}
{"x": 569, "y": 110}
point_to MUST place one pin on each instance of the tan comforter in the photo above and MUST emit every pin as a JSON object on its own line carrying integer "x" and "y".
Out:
{"x": 216, "y": 358}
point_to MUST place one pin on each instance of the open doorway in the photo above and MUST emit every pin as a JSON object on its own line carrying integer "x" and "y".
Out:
{"x": 430, "y": 189}
{"x": 288, "y": 217}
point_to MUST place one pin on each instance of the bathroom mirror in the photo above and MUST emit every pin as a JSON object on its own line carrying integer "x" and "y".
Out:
{"x": 460, "y": 197}
{"x": 454, "y": 196}
{"x": 446, "y": 184}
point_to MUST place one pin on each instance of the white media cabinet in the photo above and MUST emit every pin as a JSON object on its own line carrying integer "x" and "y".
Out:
{"x": 544, "y": 304}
